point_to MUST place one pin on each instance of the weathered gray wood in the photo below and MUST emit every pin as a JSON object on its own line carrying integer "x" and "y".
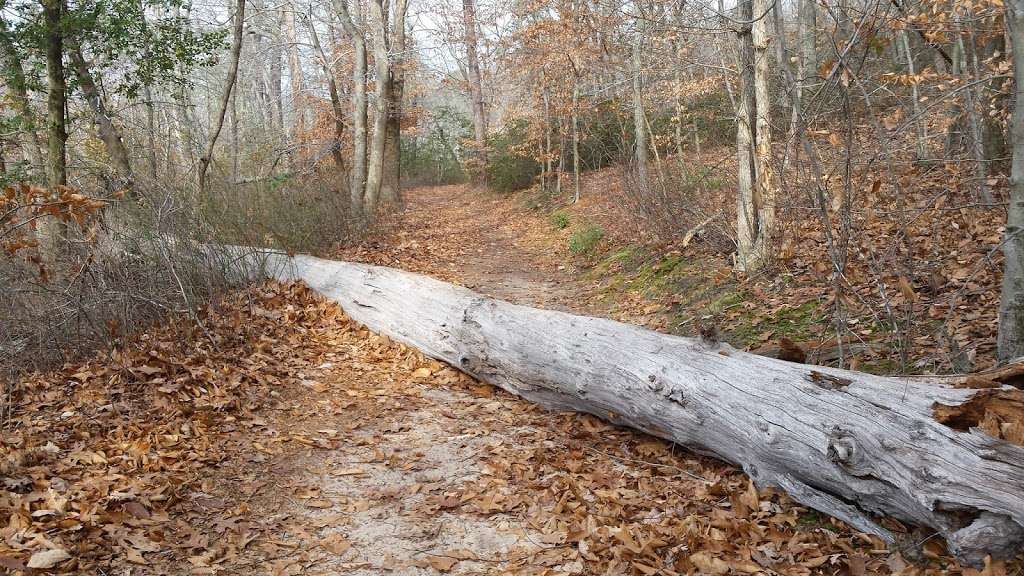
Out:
{"x": 849, "y": 444}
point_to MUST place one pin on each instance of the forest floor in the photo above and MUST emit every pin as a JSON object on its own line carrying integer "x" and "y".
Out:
{"x": 284, "y": 439}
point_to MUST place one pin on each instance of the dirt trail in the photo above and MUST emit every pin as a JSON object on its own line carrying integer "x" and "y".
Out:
{"x": 479, "y": 240}
{"x": 384, "y": 462}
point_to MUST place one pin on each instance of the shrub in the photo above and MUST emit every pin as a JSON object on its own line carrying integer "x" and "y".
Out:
{"x": 585, "y": 239}
{"x": 560, "y": 219}
{"x": 509, "y": 167}
{"x": 305, "y": 215}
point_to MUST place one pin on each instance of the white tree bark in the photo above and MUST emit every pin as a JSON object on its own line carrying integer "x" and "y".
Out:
{"x": 846, "y": 443}
{"x": 746, "y": 207}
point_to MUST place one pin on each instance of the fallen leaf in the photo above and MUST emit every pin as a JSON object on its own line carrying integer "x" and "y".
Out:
{"x": 335, "y": 544}
{"x": 48, "y": 558}
{"x": 442, "y": 563}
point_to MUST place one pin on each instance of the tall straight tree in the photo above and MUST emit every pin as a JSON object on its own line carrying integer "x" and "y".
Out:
{"x": 352, "y": 23}
{"x": 332, "y": 91}
{"x": 476, "y": 91}
{"x": 391, "y": 181}
{"x": 756, "y": 218}
{"x": 56, "y": 120}
{"x": 807, "y": 22}
{"x": 746, "y": 208}
{"x": 639, "y": 115}
{"x": 382, "y": 103}
{"x": 56, "y": 173}
{"x": 1011, "y": 308}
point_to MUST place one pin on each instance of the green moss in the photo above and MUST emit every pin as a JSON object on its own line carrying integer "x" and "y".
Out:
{"x": 796, "y": 323}
{"x": 625, "y": 255}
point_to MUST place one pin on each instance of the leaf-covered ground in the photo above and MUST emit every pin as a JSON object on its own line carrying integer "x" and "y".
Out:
{"x": 281, "y": 438}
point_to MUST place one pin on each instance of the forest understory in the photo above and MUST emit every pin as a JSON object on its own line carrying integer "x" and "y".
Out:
{"x": 278, "y": 437}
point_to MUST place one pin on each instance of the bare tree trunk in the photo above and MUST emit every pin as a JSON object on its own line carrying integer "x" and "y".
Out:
{"x": 475, "y": 85}
{"x": 807, "y": 23}
{"x": 332, "y": 89}
{"x": 746, "y": 207}
{"x": 276, "y": 75}
{"x": 575, "y": 139}
{"x": 234, "y": 136}
{"x": 56, "y": 96}
{"x": 764, "y": 185}
{"x": 548, "y": 152}
{"x": 1011, "y": 306}
{"x": 639, "y": 116}
{"x": 294, "y": 72}
{"x": 677, "y": 99}
{"x": 561, "y": 158}
{"x": 108, "y": 132}
{"x": 150, "y": 131}
{"x": 236, "y": 50}
{"x": 353, "y": 26}
{"x": 919, "y": 127}
{"x": 954, "y": 136}
{"x": 56, "y": 103}
{"x": 391, "y": 182}
{"x": 973, "y": 97}
{"x": 382, "y": 103}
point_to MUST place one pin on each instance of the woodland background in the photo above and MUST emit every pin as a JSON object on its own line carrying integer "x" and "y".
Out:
{"x": 848, "y": 160}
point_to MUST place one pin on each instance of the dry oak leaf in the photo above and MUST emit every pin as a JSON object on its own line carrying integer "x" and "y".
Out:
{"x": 48, "y": 558}
{"x": 442, "y": 563}
{"x": 709, "y": 564}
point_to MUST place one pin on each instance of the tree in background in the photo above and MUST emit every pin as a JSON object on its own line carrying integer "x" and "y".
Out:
{"x": 476, "y": 91}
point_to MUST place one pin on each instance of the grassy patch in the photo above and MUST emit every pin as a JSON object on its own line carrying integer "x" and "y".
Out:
{"x": 559, "y": 219}
{"x": 615, "y": 264}
{"x": 726, "y": 300}
{"x": 585, "y": 239}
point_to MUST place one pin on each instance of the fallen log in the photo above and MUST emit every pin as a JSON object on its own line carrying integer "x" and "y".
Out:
{"x": 849, "y": 444}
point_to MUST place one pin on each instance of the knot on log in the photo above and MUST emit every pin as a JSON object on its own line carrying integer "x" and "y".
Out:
{"x": 828, "y": 381}
{"x": 843, "y": 449}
